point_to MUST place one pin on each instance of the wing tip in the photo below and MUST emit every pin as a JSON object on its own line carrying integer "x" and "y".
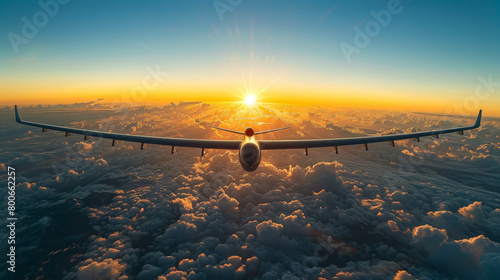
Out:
{"x": 18, "y": 117}
{"x": 478, "y": 120}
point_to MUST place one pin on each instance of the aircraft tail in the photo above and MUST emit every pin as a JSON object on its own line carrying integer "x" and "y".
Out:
{"x": 228, "y": 130}
{"x": 271, "y": 130}
{"x": 243, "y": 133}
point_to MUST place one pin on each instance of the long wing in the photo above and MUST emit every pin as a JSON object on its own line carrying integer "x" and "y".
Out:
{"x": 317, "y": 143}
{"x": 177, "y": 142}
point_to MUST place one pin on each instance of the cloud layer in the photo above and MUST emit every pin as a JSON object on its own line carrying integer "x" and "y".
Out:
{"x": 426, "y": 210}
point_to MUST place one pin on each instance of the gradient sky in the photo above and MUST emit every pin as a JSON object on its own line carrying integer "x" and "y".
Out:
{"x": 428, "y": 58}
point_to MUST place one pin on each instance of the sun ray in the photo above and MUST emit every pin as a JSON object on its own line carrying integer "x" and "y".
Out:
{"x": 279, "y": 77}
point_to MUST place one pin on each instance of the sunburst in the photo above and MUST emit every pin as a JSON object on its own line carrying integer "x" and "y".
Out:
{"x": 250, "y": 95}
{"x": 250, "y": 99}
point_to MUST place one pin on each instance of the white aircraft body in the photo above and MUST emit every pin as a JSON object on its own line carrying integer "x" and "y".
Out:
{"x": 249, "y": 148}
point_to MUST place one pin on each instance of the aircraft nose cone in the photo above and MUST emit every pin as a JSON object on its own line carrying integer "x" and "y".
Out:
{"x": 249, "y": 154}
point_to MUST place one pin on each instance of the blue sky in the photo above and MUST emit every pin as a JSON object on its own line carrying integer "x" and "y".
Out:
{"x": 429, "y": 49}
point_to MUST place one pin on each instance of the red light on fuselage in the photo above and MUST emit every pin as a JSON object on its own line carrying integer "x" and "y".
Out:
{"x": 249, "y": 132}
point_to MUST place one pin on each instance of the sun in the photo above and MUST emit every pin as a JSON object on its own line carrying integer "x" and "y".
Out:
{"x": 250, "y": 100}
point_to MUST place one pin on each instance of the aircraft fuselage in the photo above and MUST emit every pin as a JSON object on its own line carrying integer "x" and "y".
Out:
{"x": 249, "y": 149}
